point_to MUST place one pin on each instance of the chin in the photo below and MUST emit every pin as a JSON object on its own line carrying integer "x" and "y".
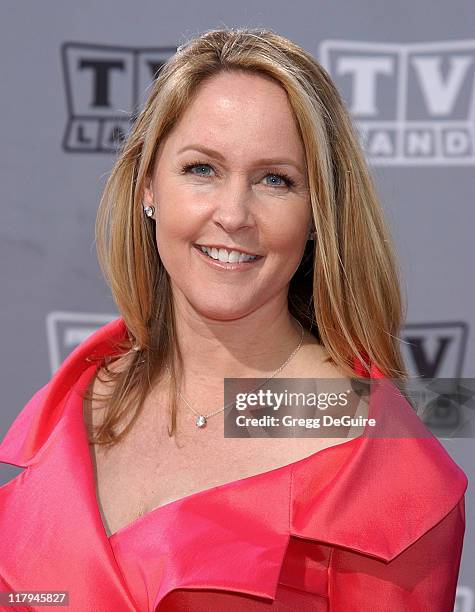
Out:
{"x": 210, "y": 311}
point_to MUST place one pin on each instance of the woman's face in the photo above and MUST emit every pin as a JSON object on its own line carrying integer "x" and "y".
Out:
{"x": 231, "y": 174}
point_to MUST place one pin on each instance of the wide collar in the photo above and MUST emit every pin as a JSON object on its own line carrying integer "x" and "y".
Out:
{"x": 387, "y": 489}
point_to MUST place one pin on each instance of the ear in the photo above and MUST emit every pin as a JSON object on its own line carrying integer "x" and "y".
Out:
{"x": 311, "y": 226}
{"x": 148, "y": 192}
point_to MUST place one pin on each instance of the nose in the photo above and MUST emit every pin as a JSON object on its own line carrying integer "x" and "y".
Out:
{"x": 233, "y": 206}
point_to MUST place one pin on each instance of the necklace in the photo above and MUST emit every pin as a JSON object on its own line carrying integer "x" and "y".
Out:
{"x": 202, "y": 419}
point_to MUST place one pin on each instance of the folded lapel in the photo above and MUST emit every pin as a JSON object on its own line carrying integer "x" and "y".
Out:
{"x": 231, "y": 538}
{"x": 392, "y": 486}
{"x": 37, "y": 420}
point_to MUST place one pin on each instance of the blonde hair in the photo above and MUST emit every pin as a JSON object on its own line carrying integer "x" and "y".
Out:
{"x": 346, "y": 290}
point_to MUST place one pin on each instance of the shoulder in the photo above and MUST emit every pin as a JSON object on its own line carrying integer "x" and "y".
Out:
{"x": 323, "y": 376}
{"x": 312, "y": 361}
{"x": 400, "y": 471}
{"x": 36, "y": 421}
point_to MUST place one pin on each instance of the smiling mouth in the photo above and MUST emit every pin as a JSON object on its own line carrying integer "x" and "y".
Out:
{"x": 226, "y": 256}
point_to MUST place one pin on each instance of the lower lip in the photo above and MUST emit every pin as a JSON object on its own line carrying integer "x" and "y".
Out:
{"x": 220, "y": 265}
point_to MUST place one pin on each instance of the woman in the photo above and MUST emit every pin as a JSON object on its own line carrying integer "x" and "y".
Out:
{"x": 242, "y": 237}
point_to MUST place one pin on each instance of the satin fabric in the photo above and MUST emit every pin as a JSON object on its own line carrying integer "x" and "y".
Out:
{"x": 372, "y": 524}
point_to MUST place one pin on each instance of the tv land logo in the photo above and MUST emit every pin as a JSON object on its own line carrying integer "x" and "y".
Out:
{"x": 414, "y": 104}
{"x": 435, "y": 350}
{"x": 430, "y": 350}
{"x": 66, "y": 330}
{"x": 105, "y": 86}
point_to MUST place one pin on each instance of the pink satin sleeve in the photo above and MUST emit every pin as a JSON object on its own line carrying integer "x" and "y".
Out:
{"x": 423, "y": 578}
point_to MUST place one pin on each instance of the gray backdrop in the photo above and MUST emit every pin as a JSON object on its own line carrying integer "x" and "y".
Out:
{"x": 71, "y": 76}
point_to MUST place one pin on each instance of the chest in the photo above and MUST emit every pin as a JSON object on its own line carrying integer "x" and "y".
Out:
{"x": 149, "y": 469}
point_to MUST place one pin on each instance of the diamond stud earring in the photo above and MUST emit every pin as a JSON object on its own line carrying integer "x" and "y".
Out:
{"x": 149, "y": 210}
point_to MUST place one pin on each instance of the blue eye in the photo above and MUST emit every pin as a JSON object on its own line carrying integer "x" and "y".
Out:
{"x": 189, "y": 167}
{"x": 287, "y": 180}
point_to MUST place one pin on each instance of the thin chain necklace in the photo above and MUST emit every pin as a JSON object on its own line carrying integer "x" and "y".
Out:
{"x": 202, "y": 420}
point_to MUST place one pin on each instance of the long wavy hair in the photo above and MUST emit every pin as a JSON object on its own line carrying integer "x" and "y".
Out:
{"x": 346, "y": 291}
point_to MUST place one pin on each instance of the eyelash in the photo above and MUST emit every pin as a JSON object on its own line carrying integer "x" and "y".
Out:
{"x": 285, "y": 177}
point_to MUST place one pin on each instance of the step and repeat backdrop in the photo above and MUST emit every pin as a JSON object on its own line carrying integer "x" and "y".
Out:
{"x": 71, "y": 77}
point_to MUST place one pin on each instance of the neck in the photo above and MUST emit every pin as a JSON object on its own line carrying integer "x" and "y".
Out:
{"x": 252, "y": 346}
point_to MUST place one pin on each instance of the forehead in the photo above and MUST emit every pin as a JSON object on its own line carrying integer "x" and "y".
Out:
{"x": 240, "y": 113}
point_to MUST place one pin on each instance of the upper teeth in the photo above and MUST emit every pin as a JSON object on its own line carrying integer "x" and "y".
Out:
{"x": 227, "y": 256}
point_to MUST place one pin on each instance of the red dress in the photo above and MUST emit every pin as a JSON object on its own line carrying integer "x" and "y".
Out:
{"x": 373, "y": 524}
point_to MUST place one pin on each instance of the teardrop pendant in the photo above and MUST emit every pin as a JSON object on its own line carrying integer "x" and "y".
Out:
{"x": 201, "y": 421}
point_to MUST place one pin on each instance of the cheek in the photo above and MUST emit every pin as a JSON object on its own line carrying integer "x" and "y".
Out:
{"x": 177, "y": 223}
{"x": 289, "y": 247}
{"x": 174, "y": 234}
{"x": 288, "y": 239}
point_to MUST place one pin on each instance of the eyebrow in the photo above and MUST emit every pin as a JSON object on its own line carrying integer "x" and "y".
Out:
{"x": 277, "y": 161}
